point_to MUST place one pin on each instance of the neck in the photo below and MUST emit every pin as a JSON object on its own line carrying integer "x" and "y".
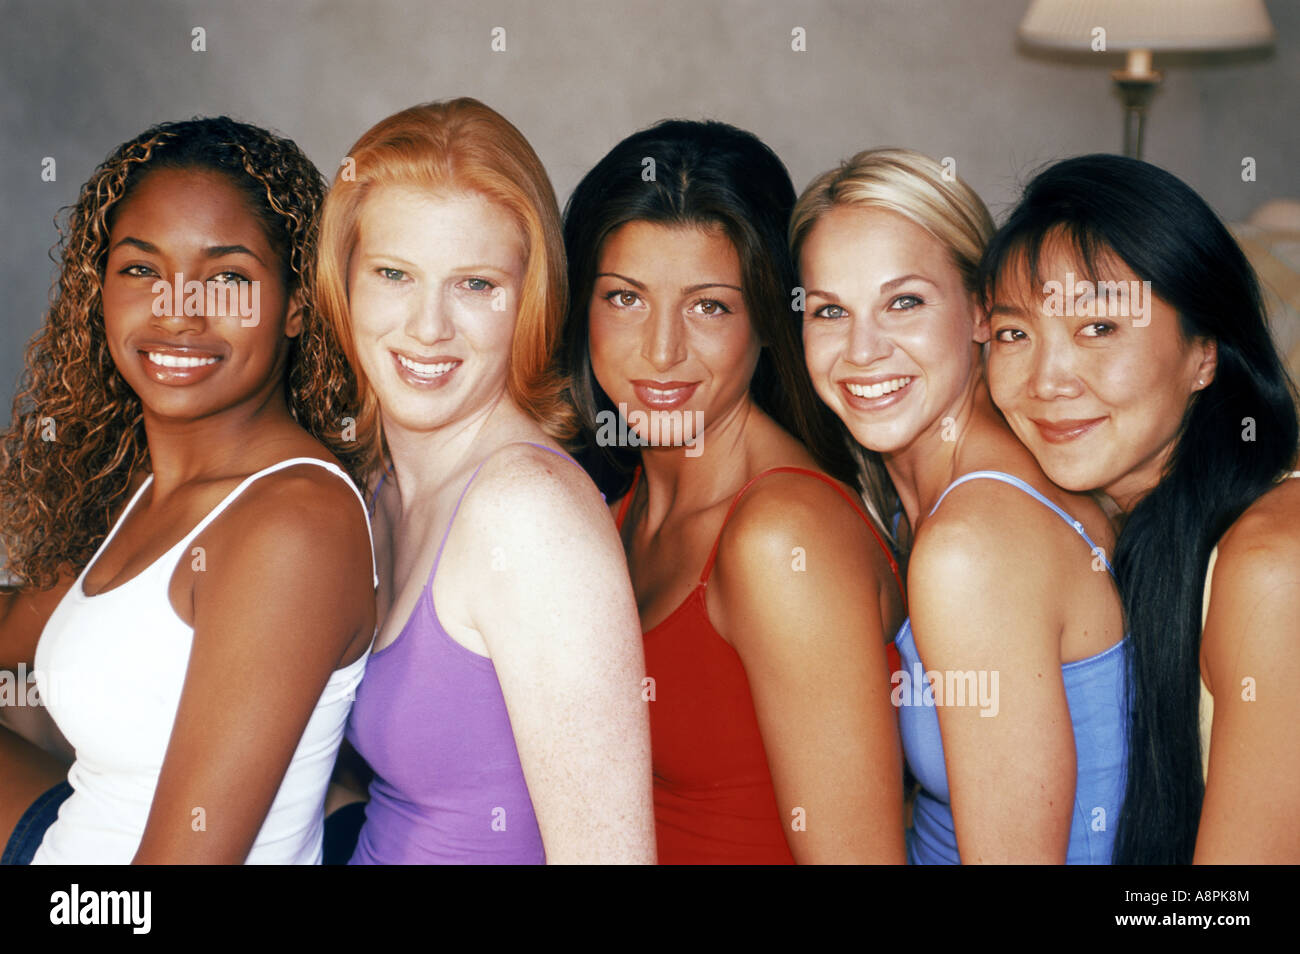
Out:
{"x": 1133, "y": 487}
{"x": 423, "y": 461}
{"x": 924, "y": 468}
{"x": 677, "y": 483}
{"x": 182, "y": 452}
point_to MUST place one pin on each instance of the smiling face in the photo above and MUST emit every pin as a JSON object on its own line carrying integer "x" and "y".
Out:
{"x": 433, "y": 292}
{"x": 195, "y": 224}
{"x": 669, "y": 330}
{"x": 888, "y": 326}
{"x": 1098, "y": 398}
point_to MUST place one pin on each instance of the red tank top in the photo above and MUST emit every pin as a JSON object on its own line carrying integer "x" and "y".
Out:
{"x": 713, "y": 794}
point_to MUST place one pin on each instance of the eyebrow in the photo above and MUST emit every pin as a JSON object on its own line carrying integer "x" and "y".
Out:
{"x": 1000, "y": 308}
{"x": 895, "y": 282}
{"x": 884, "y": 286}
{"x": 688, "y": 290}
{"x": 212, "y": 251}
{"x": 371, "y": 257}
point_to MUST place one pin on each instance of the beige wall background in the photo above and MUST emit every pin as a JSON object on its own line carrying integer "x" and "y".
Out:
{"x": 942, "y": 76}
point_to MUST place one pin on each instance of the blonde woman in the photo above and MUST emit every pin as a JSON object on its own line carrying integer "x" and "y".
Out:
{"x": 1012, "y": 684}
{"x": 503, "y": 718}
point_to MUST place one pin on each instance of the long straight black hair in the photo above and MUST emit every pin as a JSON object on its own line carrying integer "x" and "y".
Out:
{"x": 707, "y": 174}
{"x": 1165, "y": 233}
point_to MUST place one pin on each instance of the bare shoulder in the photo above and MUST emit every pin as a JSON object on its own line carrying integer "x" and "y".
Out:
{"x": 1253, "y": 625}
{"x": 984, "y": 533}
{"x": 793, "y": 522}
{"x": 1259, "y": 555}
{"x": 1270, "y": 527}
{"x": 784, "y": 510}
{"x": 301, "y": 510}
{"x": 527, "y": 492}
{"x": 983, "y": 518}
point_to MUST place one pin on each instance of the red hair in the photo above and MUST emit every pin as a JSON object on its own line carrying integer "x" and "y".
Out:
{"x": 457, "y": 145}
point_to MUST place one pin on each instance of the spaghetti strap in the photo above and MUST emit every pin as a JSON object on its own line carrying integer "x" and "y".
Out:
{"x": 451, "y": 520}
{"x": 374, "y": 495}
{"x": 713, "y": 553}
{"x": 290, "y": 462}
{"x": 627, "y": 499}
{"x": 226, "y": 502}
{"x": 130, "y": 505}
{"x": 1016, "y": 482}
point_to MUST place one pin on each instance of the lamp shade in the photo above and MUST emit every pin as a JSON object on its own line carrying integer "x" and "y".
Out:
{"x": 1148, "y": 24}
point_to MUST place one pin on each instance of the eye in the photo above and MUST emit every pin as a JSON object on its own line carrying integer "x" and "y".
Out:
{"x": 1009, "y": 335}
{"x": 479, "y": 284}
{"x": 392, "y": 274}
{"x": 710, "y": 308}
{"x": 912, "y": 301}
{"x": 137, "y": 271}
{"x": 229, "y": 278}
{"x": 622, "y": 298}
{"x": 830, "y": 311}
{"x": 1097, "y": 329}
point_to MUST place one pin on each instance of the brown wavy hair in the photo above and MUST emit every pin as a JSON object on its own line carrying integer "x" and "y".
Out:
{"x": 57, "y": 496}
{"x": 457, "y": 145}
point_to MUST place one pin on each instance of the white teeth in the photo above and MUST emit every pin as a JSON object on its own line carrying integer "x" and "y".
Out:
{"x": 427, "y": 370}
{"x": 877, "y": 390}
{"x": 179, "y": 360}
{"x": 662, "y": 394}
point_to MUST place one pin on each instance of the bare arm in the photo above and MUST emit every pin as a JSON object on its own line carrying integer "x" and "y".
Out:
{"x": 798, "y": 589}
{"x": 286, "y": 592}
{"x": 982, "y": 601}
{"x": 552, "y": 599}
{"x": 1252, "y": 650}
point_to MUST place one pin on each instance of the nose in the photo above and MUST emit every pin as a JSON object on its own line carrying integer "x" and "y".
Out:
{"x": 866, "y": 344}
{"x": 430, "y": 320}
{"x": 664, "y": 344}
{"x": 1051, "y": 372}
{"x": 181, "y": 307}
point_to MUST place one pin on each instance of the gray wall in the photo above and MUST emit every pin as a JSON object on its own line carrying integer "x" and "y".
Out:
{"x": 942, "y": 76}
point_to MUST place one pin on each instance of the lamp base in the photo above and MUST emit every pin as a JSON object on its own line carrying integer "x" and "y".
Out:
{"x": 1136, "y": 90}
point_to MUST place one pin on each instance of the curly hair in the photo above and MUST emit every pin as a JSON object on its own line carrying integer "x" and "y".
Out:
{"x": 76, "y": 439}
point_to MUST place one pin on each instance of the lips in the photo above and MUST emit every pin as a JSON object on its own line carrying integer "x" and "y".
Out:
{"x": 664, "y": 395}
{"x": 877, "y": 392}
{"x": 1066, "y": 429}
{"x": 177, "y": 365}
{"x": 425, "y": 372}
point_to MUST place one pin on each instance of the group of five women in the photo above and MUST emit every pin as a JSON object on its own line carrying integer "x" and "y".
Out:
{"x": 949, "y": 575}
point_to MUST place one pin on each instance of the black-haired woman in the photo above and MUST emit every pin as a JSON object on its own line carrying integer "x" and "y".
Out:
{"x": 765, "y": 591}
{"x": 1131, "y": 355}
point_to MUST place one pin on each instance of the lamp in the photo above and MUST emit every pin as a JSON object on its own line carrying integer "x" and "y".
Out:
{"x": 1139, "y": 28}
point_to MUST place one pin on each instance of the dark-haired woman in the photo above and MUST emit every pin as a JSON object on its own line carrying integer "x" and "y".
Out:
{"x": 765, "y": 591}
{"x": 1131, "y": 355}
{"x": 202, "y": 661}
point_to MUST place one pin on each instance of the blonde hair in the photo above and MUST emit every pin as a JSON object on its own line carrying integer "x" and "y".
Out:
{"x": 923, "y": 191}
{"x": 457, "y": 145}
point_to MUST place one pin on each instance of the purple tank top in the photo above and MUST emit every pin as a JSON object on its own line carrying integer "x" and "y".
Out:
{"x": 430, "y": 720}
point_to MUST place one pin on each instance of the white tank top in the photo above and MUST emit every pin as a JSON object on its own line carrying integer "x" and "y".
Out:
{"x": 110, "y": 669}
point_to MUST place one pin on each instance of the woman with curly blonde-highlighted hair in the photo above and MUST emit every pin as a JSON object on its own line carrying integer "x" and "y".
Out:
{"x": 503, "y": 717}
{"x": 161, "y": 525}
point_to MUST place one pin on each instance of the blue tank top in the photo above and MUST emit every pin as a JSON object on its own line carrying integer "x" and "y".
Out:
{"x": 1095, "y": 690}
